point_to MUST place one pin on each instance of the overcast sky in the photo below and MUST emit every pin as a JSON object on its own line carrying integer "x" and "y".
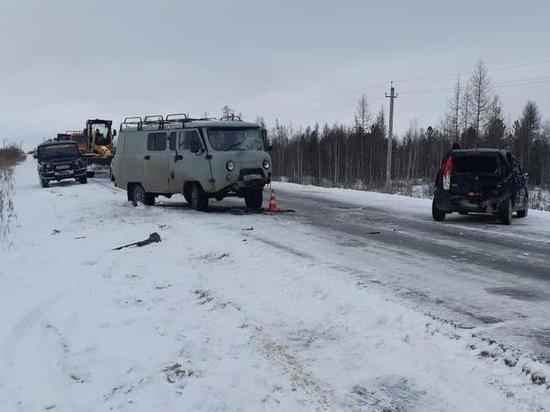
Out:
{"x": 299, "y": 61}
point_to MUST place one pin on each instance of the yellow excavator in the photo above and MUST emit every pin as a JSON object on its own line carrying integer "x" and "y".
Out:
{"x": 97, "y": 142}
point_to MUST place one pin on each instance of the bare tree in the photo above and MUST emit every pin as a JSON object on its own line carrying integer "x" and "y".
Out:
{"x": 481, "y": 95}
{"x": 453, "y": 113}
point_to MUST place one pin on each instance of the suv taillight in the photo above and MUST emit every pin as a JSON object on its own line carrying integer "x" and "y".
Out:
{"x": 447, "y": 170}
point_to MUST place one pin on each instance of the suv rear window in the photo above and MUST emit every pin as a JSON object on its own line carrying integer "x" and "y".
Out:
{"x": 476, "y": 164}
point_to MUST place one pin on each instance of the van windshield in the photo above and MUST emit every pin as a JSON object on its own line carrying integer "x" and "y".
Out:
{"x": 478, "y": 164}
{"x": 235, "y": 139}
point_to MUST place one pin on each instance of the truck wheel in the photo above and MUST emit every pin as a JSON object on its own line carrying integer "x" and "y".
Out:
{"x": 437, "y": 214}
{"x": 254, "y": 199}
{"x": 90, "y": 174}
{"x": 139, "y": 195}
{"x": 505, "y": 212}
{"x": 199, "y": 200}
{"x": 83, "y": 180}
{"x": 44, "y": 182}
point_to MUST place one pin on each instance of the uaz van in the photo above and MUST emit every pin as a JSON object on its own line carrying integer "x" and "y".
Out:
{"x": 200, "y": 158}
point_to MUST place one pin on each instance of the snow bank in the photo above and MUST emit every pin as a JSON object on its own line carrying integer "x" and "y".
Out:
{"x": 223, "y": 314}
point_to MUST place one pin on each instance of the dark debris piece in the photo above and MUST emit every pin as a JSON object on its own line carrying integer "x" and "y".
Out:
{"x": 153, "y": 238}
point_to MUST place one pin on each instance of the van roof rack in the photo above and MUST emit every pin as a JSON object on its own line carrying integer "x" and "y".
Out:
{"x": 231, "y": 118}
{"x": 133, "y": 122}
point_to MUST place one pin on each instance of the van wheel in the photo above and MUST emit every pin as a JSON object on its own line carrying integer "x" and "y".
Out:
{"x": 139, "y": 195}
{"x": 254, "y": 199}
{"x": 198, "y": 199}
{"x": 44, "y": 182}
{"x": 437, "y": 214}
{"x": 83, "y": 180}
{"x": 505, "y": 212}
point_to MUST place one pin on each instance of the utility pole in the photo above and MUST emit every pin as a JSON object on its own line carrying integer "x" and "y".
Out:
{"x": 392, "y": 97}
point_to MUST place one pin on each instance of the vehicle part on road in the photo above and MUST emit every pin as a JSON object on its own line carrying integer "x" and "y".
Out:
{"x": 153, "y": 238}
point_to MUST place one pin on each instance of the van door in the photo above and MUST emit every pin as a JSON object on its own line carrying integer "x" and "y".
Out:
{"x": 155, "y": 163}
{"x": 189, "y": 161}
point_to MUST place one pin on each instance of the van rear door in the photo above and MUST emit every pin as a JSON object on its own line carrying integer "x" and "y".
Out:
{"x": 156, "y": 163}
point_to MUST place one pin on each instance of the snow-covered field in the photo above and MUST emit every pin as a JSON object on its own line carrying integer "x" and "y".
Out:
{"x": 221, "y": 315}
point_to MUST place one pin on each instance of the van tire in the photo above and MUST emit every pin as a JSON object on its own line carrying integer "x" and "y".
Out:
{"x": 437, "y": 215}
{"x": 505, "y": 212}
{"x": 137, "y": 194}
{"x": 198, "y": 199}
{"x": 254, "y": 199}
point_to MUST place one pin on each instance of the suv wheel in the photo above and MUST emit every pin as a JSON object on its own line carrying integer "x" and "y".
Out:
{"x": 139, "y": 195}
{"x": 254, "y": 199}
{"x": 198, "y": 199}
{"x": 437, "y": 214}
{"x": 525, "y": 210}
{"x": 505, "y": 212}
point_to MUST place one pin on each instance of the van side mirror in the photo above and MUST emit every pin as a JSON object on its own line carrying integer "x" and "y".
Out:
{"x": 267, "y": 144}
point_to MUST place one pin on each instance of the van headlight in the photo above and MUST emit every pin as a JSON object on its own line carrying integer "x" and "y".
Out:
{"x": 266, "y": 164}
{"x": 230, "y": 165}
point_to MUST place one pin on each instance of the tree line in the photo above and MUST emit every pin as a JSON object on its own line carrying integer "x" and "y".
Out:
{"x": 355, "y": 156}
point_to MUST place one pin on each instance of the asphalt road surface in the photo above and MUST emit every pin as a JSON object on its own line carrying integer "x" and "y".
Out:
{"x": 469, "y": 269}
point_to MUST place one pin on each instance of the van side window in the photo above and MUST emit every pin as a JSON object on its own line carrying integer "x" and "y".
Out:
{"x": 156, "y": 141}
{"x": 172, "y": 140}
{"x": 189, "y": 139}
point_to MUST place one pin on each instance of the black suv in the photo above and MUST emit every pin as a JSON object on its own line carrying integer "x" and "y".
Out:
{"x": 481, "y": 181}
{"x": 60, "y": 160}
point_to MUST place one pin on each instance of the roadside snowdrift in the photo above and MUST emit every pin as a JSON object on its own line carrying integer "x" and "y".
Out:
{"x": 214, "y": 317}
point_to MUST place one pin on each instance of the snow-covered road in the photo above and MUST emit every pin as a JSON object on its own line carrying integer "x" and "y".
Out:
{"x": 233, "y": 311}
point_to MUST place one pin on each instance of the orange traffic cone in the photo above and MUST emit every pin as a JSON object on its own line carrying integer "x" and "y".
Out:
{"x": 272, "y": 208}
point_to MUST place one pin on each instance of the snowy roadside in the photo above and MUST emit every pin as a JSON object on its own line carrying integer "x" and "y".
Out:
{"x": 218, "y": 317}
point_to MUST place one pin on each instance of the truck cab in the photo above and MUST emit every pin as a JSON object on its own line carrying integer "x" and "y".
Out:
{"x": 200, "y": 158}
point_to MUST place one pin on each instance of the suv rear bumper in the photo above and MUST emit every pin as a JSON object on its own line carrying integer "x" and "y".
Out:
{"x": 448, "y": 203}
